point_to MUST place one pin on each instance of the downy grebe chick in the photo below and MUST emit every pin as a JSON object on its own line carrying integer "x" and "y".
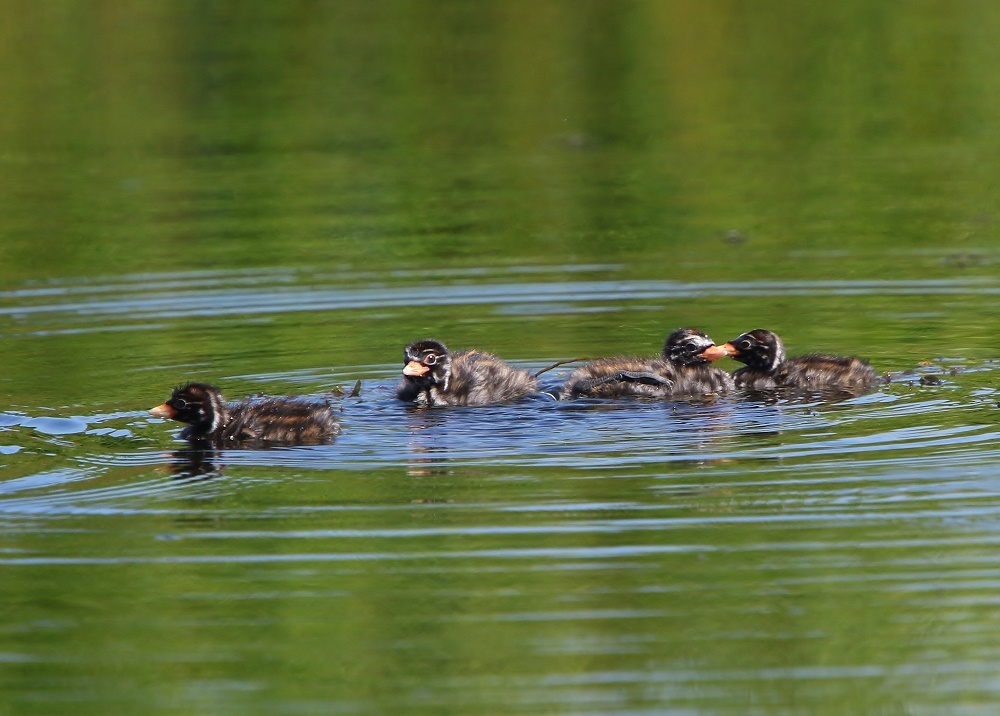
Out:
{"x": 684, "y": 370}
{"x": 434, "y": 376}
{"x": 278, "y": 420}
{"x": 767, "y": 368}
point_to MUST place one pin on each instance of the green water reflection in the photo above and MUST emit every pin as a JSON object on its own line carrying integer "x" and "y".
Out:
{"x": 358, "y": 144}
{"x": 677, "y": 137}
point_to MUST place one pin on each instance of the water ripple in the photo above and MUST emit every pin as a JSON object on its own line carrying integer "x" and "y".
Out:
{"x": 158, "y": 299}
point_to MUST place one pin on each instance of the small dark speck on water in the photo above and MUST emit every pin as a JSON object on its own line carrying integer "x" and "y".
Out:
{"x": 735, "y": 237}
{"x": 964, "y": 260}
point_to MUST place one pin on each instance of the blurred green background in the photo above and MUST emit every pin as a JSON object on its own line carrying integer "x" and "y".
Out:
{"x": 785, "y": 139}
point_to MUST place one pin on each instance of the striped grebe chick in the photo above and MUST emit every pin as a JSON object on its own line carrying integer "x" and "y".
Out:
{"x": 766, "y": 367}
{"x": 683, "y": 370}
{"x": 279, "y": 420}
{"x": 433, "y": 375}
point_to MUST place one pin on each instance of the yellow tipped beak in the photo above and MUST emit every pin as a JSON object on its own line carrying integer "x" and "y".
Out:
{"x": 163, "y": 411}
{"x": 714, "y": 353}
{"x": 415, "y": 369}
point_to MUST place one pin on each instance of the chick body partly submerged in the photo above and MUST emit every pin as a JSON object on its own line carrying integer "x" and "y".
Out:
{"x": 432, "y": 375}
{"x": 278, "y": 420}
{"x": 683, "y": 370}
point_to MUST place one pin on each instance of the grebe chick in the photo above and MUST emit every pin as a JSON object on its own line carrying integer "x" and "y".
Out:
{"x": 278, "y": 420}
{"x": 432, "y": 375}
{"x": 767, "y": 368}
{"x": 684, "y": 370}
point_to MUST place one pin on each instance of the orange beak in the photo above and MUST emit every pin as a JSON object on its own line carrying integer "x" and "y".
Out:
{"x": 415, "y": 369}
{"x": 163, "y": 411}
{"x": 729, "y": 348}
{"x": 714, "y": 353}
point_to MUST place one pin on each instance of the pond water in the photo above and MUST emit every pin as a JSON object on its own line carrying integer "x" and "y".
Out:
{"x": 278, "y": 197}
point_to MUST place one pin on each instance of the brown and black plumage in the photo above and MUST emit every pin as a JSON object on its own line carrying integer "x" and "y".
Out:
{"x": 767, "y": 367}
{"x": 276, "y": 420}
{"x": 432, "y": 375}
{"x": 683, "y": 370}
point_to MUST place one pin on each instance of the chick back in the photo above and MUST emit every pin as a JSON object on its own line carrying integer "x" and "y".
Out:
{"x": 479, "y": 378}
{"x": 818, "y": 371}
{"x": 290, "y": 421}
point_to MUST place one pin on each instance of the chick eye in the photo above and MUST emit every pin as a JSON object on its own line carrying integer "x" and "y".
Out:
{"x": 743, "y": 345}
{"x": 180, "y": 403}
{"x": 430, "y": 359}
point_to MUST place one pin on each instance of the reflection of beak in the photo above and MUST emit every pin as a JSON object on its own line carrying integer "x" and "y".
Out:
{"x": 415, "y": 369}
{"x": 714, "y": 353}
{"x": 163, "y": 411}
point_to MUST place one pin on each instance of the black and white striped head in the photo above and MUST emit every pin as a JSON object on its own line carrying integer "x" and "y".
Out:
{"x": 427, "y": 363}
{"x": 198, "y": 404}
{"x": 759, "y": 349}
{"x": 686, "y": 346}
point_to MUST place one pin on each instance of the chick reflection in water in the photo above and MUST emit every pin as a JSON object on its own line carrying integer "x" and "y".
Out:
{"x": 200, "y": 461}
{"x": 428, "y": 444}
{"x": 257, "y": 422}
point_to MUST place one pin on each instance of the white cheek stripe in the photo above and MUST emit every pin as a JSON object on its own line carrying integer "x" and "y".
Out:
{"x": 218, "y": 411}
{"x": 779, "y": 357}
